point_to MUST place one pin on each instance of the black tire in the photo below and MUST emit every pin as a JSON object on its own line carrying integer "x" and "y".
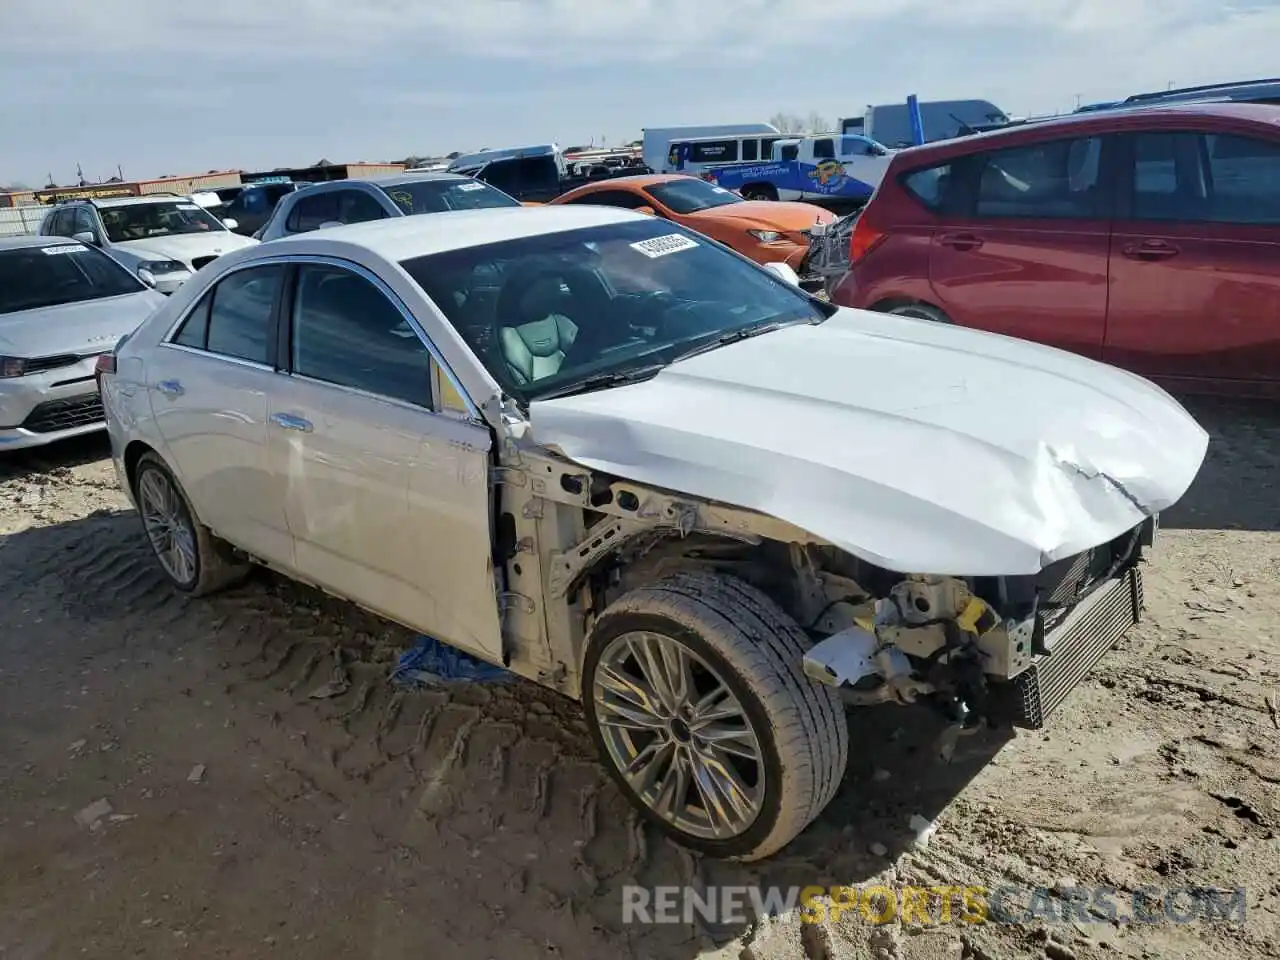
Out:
{"x": 215, "y": 564}
{"x": 759, "y": 191}
{"x": 920, "y": 311}
{"x": 757, "y": 650}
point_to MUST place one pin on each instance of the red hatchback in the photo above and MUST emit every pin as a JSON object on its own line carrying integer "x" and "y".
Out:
{"x": 1146, "y": 238}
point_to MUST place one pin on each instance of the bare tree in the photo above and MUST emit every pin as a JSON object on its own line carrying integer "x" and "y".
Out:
{"x": 817, "y": 123}
{"x": 787, "y": 122}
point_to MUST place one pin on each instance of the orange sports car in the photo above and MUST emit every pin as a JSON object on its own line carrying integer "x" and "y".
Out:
{"x": 766, "y": 231}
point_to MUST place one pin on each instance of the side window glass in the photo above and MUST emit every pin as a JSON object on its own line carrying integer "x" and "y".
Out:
{"x": 750, "y": 149}
{"x": 824, "y": 149}
{"x": 503, "y": 174}
{"x": 1165, "y": 173}
{"x": 355, "y": 206}
{"x": 240, "y": 316}
{"x": 310, "y": 212}
{"x": 714, "y": 151}
{"x": 194, "y": 331}
{"x": 1245, "y": 173}
{"x": 62, "y": 223}
{"x": 346, "y": 332}
{"x": 1054, "y": 180}
{"x": 84, "y": 221}
{"x": 933, "y": 186}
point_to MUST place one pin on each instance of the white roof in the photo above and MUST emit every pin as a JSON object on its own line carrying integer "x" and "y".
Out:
{"x": 402, "y": 238}
{"x": 135, "y": 201}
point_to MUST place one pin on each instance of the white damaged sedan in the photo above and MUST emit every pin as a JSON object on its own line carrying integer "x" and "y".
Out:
{"x": 631, "y": 465}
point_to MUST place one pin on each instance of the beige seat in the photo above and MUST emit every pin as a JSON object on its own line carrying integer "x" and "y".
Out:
{"x": 535, "y": 345}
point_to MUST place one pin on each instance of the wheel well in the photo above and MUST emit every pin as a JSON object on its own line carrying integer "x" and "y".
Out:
{"x": 767, "y": 188}
{"x": 132, "y": 454}
{"x": 893, "y": 303}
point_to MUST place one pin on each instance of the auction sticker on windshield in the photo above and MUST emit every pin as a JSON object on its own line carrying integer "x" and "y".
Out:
{"x": 471, "y": 186}
{"x": 661, "y": 246}
{"x": 63, "y": 248}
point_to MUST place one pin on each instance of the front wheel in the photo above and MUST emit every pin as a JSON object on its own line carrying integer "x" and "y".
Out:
{"x": 697, "y": 701}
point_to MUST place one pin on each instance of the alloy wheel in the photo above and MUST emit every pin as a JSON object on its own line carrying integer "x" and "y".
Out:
{"x": 168, "y": 526}
{"x": 679, "y": 735}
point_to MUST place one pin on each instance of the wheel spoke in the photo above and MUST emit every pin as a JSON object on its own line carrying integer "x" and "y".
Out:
{"x": 733, "y": 801}
{"x": 735, "y": 740}
{"x": 648, "y": 657}
{"x": 670, "y": 801}
{"x": 648, "y": 767}
{"x": 678, "y": 735}
{"x": 717, "y": 705}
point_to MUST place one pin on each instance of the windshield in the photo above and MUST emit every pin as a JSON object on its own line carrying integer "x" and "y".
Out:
{"x": 439, "y": 196}
{"x": 141, "y": 221}
{"x": 34, "y": 277}
{"x": 546, "y": 313}
{"x": 689, "y": 195}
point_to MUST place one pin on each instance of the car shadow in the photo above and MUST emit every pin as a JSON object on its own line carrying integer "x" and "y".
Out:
{"x": 62, "y": 455}
{"x": 1236, "y": 488}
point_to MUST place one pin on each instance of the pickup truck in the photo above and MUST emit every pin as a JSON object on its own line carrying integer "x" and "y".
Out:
{"x": 832, "y": 171}
{"x": 533, "y": 174}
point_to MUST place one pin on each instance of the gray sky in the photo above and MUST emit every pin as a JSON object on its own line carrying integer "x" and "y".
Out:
{"x": 168, "y": 87}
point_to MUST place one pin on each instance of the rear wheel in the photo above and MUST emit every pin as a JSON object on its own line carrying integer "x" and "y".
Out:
{"x": 191, "y": 557}
{"x": 696, "y": 697}
{"x": 921, "y": 311}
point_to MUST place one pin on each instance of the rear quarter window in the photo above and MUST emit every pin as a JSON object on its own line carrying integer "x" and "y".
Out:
{"x": 931, "y": 187}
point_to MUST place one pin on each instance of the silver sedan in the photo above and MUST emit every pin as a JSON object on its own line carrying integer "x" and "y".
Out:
{"x": 62, "y": 303}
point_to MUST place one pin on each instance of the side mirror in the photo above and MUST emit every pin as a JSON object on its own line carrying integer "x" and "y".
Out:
{"x": 784, "y": 272}
{"x": 86, "y": 236}
{"x": 231, "y": 223}
{"x": 647, "y": 211}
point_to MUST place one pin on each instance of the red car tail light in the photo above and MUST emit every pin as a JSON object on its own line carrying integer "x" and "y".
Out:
{"x": 865, "y": 238}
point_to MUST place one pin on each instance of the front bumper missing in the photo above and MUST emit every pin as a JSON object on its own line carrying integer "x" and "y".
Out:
{"x": 1077, "y": 643}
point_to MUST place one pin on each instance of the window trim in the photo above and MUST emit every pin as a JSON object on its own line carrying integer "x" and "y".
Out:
{"x": 209, "y": 294}
{"x": 332, "y": 193}
{"x": 295, "y": 260}
{"x": 1125, "y": 173}
{"x": 967, "y": 171}
{"x": 284, "y": 345}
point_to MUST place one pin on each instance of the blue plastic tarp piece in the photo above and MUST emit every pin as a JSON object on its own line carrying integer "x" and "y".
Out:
{"x": 431, "y": 663}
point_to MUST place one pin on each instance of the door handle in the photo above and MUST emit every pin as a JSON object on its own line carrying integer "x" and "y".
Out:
{"x": 1150, "y": 250}
{"x": 288, "y": 421}
{"x": 960, "y": 241}
{"x": 170, "y": 388}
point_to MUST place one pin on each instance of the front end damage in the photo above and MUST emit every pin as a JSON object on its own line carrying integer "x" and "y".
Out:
{"x": 985, "y": 650}
{"x": 1004, "y": 650}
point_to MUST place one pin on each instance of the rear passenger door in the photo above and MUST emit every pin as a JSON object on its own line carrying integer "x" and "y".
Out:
{"x": 208, "y": 385}
{"x": 1195, "y": 289}
{"x": 388, "y": 483}
{"x": 1025, "y": 252}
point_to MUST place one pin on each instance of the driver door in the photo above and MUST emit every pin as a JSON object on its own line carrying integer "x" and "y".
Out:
{"x": 387, "y": 490}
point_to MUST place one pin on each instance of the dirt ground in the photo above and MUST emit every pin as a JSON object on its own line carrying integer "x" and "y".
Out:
{"x": 251, "y": 817}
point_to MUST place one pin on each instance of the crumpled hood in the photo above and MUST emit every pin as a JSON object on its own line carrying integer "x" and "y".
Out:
{"x": 91, "y": 326}
{"x": 185, "y": 246}
{"x": 921, "y": 447}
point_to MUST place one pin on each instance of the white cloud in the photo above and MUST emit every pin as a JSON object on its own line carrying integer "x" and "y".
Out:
{"x": 601, "y": 30}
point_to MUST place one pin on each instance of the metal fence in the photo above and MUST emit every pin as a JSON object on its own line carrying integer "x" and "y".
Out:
{"x": 16, "y": 221}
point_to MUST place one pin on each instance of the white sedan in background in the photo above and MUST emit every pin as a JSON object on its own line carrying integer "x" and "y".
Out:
{"x": 632, "y": 465}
